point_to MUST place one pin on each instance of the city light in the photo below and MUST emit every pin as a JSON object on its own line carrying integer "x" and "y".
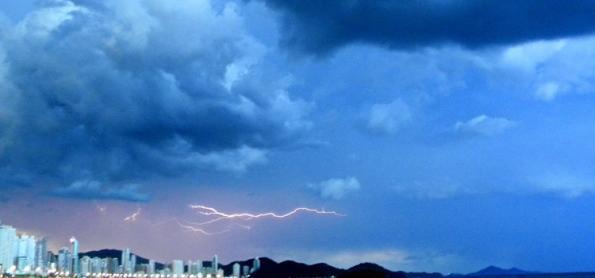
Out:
{"x": 29, "y": 257}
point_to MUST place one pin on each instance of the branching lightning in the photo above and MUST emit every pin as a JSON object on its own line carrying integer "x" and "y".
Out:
{"x": 186, "y": 225}
{"x": 231, "y": 219}
{"x": 133, "y": 216}
{"x": 199, "y": 230}
{"x": 209, "y": 211}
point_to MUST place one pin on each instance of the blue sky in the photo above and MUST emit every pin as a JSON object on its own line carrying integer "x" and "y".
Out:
{"x": 452, "y": 135}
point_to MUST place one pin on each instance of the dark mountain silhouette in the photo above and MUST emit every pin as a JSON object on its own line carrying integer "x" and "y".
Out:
{"x": 288, "y": 269}
{"x": 371, "y": 270}
{"x": 497, "y": 271}
{"x": 270, "y": 268}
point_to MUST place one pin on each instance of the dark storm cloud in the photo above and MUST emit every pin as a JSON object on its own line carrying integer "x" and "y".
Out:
{"x": 321, "y": 26}
{"x": 94, "y": 190}
{"x": 123, "y": 90}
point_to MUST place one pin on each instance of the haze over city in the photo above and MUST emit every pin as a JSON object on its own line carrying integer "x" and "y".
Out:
{"x": 419, "y": 135}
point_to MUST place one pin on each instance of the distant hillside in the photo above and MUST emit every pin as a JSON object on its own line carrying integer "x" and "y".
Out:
{"x": 371, "y": 270}
{"x": 364, "y": 270}
{"x": 497, "y": 271}
{"x": 270, "y": 268}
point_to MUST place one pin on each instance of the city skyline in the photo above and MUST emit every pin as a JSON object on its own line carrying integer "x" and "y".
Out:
{"x": 421, "y": 135}
{"x": 22, "y": 254}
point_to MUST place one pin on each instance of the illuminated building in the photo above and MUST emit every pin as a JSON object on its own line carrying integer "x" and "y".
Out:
{"x": 236, "y": 270}
{"x": 25, "y": 258}
{"x": 246, "y": 270}
{"x": 256, "y": 264}
{"x": 151, "y": 268}
{"x": 41, "y": 255}
{"x": 64, "y": 260}
{"x": 8, "y": 238}
{"x": 132, "y": 263}
{"x": 75, "y": 255}
{"x": 177, "y": 267}
{"x": 126, "y": 261}
{"x": 96, "y": 265}
{"x": 112, "y": 265}
{"x": 194, "y": 267}
{"x": 85, "y": 265}
{"x": 215, "y": 264}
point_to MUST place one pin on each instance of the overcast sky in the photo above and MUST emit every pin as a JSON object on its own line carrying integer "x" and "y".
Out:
{"x": 448, "y": 135}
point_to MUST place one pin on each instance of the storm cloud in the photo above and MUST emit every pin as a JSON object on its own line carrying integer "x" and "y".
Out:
{"x": 114, "y": 90}
{"x": 89, "y": 189}
{"x": 319, "y": 27}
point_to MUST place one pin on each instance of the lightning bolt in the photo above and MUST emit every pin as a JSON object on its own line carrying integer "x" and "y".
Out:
{"x": 133, "y": 216}
{"x": 210, "y": 211}
{"x": 197, "y": 227}
{"x": 199, "y": 230}
{"x": 219, "y": 216}
{"x": 189, "y": 226}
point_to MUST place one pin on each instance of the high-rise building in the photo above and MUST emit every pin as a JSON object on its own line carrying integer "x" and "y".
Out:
{"x": 85, "y": 265}
{"x": 132, "y": 263}
{"x": 112, "y": 265}
{"x": 255, "y": 264}
{"x": 189, "y": 267}
{"x": 246, "y": 270}
{"x": 51, "y": 258}
{"x": 96, "y": 265}
{"x": 8, "y": 239}
{"x": 104, "y": 262}
{"x": 177, "y": 267}
{"x": 64, "y": 260}
{"x": 151, "y": 268}
{"x": 236, "y": 270}
{"x": 25, "y": 258}
{"x": 75, "y": 255}
{"x": 41, "y": 255}
{"x": 126, "y": 261}
{"x": 215, "y": 264}
{"x": 194, "y": 267}
{"x": 198, "y": 266}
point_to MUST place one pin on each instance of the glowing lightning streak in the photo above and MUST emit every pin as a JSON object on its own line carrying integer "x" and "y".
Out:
{"x": 133, "y": 216}
{"x": 209, "y": 211}
{"x": 199, "y": 230}
{"x": 208, "y": 222}
{"x": 192, "y": 228}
